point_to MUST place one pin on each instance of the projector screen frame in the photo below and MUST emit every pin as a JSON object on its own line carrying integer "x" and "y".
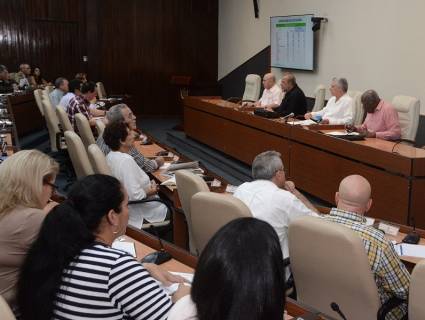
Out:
{"x": 314, "y": 44}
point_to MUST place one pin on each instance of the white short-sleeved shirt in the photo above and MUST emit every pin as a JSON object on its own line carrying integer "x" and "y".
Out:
{"x": 337, "y": 112}
{"x": 274, "y": 95}
{"x": 136, "y": 182}
{"x": 64, "y": 102}
{"x": 271, "y": 204}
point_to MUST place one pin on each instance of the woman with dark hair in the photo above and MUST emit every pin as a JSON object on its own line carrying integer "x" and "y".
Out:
{"x": 120, "y": 139}
{"x": 240, "y": 275}
{"x": 38, "y": 78}
{"x": 72, "y": 272}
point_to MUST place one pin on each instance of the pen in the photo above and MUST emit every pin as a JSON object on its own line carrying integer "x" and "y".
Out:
{"x": 401, "y": 249}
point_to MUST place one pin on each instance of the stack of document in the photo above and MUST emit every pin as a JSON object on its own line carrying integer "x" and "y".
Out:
{"x": 410, "y": 250}
{"x": 301, "y": 122}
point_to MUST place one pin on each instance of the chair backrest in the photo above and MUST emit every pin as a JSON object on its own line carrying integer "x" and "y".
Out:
{"x": 417, "y": 292}
{"x": 100, "y": 88}
{"x": 252, "y": 87}
{"x": 52, "y": 123}
{"x": 408, "y": 109}
{"x": 210, "y": 211}
{"x": 358, "y": 111}
{"x": 5, "y": 311}
{"x": 84, "y": 130}
{"x": 100, "y": 126}
{"x": 319, "y": 95}
{"x": 38, "y": 98}
{"x": 78, "y": 154}
{"x": 189, "y": 184}
{"x": 329, "y": 264}
{"x": 49, "y": 88}
{"x": 63, "y": 119}
{"x": 98, "y": 160}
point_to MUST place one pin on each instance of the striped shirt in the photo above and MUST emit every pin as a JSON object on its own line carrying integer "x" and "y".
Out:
{"x": 391, "y": 276}
{"x": 146, "y": 165}
{"x": 105, "y": 283}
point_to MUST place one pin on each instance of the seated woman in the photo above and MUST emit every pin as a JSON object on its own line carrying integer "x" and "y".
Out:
{"x": 240, "y": 275}
{"x": 27, "y": 183}
{"x": 72, "y": 272}
{"x": 38, "y": 78}
{"x": 120, "y": 139}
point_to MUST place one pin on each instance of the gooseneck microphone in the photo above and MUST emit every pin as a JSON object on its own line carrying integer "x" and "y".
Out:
{"x": 288, "y": 116}
{"x": 335, "y": 307}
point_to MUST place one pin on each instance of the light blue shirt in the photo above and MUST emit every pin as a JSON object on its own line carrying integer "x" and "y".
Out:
{"x": 56, "y": 96}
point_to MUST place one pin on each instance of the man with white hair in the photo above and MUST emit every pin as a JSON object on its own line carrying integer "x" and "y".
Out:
{"x": 339, "y": 109}
{"x": 121, "y": 112}
{"x": 272, "y": 94}
{"x": 353, "y": 200}
{"x": 273, "y": 199}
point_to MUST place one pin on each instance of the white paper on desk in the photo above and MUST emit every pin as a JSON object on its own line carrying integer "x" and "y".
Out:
{"x": 174, "y": 287}
{"x": 302, "y": 122}
{"x": 231, "y": 189}
{"x": 170, "y": 182}
{"x": 342, "y": 133}
{"x": 184, "y": 165}
{"x": 410, "y": 250}
{"x": 125, "y": 246}
{"x": 165, "y": 166}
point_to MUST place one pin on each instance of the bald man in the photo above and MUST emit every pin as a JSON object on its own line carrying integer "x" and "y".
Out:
{"x": 272, "y": 94}
{"x": 294, "y": 100}
{"x": 353, "y": 200}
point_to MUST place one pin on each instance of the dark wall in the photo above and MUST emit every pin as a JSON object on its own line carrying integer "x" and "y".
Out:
{"x": 133, "y": 46}
{"x": 233, "y": 84}
{"x": 44, "y": 33}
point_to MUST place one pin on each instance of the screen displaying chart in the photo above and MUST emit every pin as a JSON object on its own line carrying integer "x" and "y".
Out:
{"x": 292, "y": 42}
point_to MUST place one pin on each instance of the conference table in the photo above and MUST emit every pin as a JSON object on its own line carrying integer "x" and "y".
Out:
{"x": 314, "y": 160}
{"x": 180, "y": 231}
{"x": 183, "y": 261}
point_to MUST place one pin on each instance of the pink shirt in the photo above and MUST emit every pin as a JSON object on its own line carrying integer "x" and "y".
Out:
{"x": 384, "y": 122}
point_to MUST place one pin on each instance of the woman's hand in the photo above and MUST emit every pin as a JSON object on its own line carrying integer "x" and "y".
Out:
{"x": 163, "y": 276}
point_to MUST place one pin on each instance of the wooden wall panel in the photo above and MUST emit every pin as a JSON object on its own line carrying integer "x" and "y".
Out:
{"x": 133, "y": 46}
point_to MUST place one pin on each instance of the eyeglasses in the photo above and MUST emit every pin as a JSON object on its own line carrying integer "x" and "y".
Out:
{"x": 54, "y": 186}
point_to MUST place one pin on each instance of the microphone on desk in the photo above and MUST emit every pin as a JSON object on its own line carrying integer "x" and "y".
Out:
{"x": 335, "y": 307}
{"x": 288, "y": 116}
{"x": 412, "y": 237}
{"x": 157, "y": 257}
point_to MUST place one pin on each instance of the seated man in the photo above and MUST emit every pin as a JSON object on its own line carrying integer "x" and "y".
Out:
{"x": 273, "y": 199}
{"x": 353, "y": 200}
{"x": 74, "y": 87}
{"x": 80, "y": 104}
{"x": 23, "y": 77}
{"x": 61, "y": 88}
{"x": 6, "y": 85}
{"x": 272, "y": 94}
{"x": 294, "y": 100}
{"x": 122, "y": 113}
{"x": 381, "y": 120}
{"x": 120, "y": 139}
{"x": 339, "y": 109}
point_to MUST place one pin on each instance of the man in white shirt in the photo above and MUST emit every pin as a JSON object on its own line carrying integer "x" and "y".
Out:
{"x": 339, "y": 109}
{"x": 273, "y": 199}
{"x": 74, "y": 87}
{"x": 61, "y": 87}
{"x": 272, "y": 94}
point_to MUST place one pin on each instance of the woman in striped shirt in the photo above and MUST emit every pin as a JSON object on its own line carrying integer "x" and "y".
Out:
{"x": 71, "y": 271}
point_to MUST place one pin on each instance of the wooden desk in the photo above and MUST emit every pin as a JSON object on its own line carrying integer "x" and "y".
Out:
{"x": 183, "y": 261}
{"x": 314, "y": 161}
{"x": 180, "y": 231}
{"x": 25, "y": 114}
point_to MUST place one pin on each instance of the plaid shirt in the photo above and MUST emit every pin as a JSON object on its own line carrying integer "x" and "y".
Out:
{"x": 146, "y": 165}
{"x": 391, "y": 276}
{"x": 78, "y": 105}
